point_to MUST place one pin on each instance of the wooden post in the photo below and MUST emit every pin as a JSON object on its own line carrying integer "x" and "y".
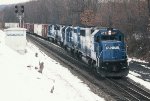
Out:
{"x": 41, "y": 67}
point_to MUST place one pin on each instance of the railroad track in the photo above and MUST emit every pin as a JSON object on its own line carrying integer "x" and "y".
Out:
{"x": 130, "y": 90}
{"x": 120, "y": 90}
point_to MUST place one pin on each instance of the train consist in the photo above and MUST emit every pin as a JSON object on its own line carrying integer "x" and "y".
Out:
{"x": 103, "y": 49}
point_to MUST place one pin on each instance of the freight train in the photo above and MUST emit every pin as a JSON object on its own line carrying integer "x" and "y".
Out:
{"x": 103, "y": 49}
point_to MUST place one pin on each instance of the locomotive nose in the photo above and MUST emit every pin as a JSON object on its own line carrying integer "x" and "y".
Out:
{"x": 113, "y": 51}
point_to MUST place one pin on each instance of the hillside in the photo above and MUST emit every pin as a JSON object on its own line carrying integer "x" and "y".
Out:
{"x": 129, "y": 16}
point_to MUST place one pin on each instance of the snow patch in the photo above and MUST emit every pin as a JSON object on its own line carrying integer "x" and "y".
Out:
{"x": 137, "y": 60}
{"x": 140, "y": 81}
{"x": 145, "y": 66}
{"x": 20, "y": 81}
{"x": 134, "y": 74}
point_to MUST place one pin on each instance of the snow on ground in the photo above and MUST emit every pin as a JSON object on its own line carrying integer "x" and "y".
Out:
{"x": 18, "y": 83}
{"x": 21, "y": 82}
{"x": 134, "y": 76}
{"x": 65, "y": 84}
{"x": 145, "y": 66}
{"x": 137, "y": 60}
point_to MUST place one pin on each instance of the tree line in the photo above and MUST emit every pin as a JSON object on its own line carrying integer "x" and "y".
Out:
{"x": 130, "y": 16}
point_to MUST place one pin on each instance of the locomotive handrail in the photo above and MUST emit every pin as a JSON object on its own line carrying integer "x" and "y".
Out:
{"x": 101, "y": 53}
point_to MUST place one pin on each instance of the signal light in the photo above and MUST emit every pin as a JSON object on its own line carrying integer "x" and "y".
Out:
{"x": 22, "y": 9}
{"x": 16, "y": 9}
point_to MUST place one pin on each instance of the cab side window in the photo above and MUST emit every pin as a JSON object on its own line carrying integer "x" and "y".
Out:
{"x": 97, "y": 39}
{"x": 120, "y": 39}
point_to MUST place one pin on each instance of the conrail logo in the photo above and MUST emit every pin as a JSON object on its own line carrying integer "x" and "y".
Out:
{"x": 112, "y": 47}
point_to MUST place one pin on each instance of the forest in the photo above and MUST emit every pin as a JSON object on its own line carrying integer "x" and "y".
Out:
{"x": 129, "y": 16}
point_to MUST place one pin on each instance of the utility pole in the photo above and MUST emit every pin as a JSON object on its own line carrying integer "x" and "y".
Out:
{"x": 149, "y": 7}
{"x": 148, "y": 2}
{"x": 20, "y": 14}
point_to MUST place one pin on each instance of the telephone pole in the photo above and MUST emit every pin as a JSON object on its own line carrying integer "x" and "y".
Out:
{"x": 149, "y": 8}
{"x": 148, "y": 2}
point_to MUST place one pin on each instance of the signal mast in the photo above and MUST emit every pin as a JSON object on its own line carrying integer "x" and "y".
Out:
{"x": 20, "y": 14}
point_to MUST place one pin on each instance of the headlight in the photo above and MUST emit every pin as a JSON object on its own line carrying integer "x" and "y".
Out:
{"x": 109, "y": 32}
{"x": 124, "y": 67}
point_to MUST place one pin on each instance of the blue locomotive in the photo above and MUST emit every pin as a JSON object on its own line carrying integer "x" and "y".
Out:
{"x": 110, "y": 54}
{"x": 103, "y": 49}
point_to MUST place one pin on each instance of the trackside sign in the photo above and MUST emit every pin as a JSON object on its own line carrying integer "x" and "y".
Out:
{"x": 16, "y": 38}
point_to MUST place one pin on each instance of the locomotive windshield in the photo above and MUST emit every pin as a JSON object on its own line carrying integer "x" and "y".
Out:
{"x": 115, "y": 35}
{"x": 103, "y": 38}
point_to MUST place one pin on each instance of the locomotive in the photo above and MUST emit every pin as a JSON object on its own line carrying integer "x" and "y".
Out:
{"x": 110, "y": 53}
{"x": 103, "y": 49}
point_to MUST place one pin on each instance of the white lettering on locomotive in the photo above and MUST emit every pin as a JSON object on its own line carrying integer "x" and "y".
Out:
{"x": 112, "y": 47}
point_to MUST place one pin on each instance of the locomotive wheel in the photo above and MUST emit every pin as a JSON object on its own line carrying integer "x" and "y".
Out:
{"x": 79, "y": 55}
{"x": 65, "y": 47}
{"x": 90, "y": 64}
{"x": 72, "y": 51}
{"x": 52, "y": 40}
{"x": 95, "y": 72}
{"x": 61, "y": 44}
{"x": 55, "y": 41}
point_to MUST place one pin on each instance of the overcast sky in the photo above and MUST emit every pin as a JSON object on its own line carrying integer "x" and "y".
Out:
{"x": 3, "y": 2}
